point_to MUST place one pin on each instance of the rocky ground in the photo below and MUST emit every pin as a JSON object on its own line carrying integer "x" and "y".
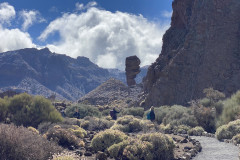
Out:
{"x": 113, "y": 93}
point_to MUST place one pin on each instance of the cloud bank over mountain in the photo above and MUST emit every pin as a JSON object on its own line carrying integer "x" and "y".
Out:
{"x": 105, "y": 37}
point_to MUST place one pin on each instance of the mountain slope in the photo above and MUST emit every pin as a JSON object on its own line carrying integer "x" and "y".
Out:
{"x": 40, "y": 71}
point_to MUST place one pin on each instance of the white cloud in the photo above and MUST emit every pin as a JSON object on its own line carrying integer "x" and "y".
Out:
{"x": 7, "y": 13}
{"x": 13, "y": 39}
{"x": 167, "y": 14}
{"x": 80, "y": 6}
{"x": 106, "y": 38}
{"x": 29, "y": 18}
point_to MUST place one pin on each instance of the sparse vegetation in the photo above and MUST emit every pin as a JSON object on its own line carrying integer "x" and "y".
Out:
{"x": 84, "y": 110}
{"x": 135, "y": 111}
{"x": 20, "y": 143}
{"x": 64, "y": 137}
{"x": 128, "y": 124}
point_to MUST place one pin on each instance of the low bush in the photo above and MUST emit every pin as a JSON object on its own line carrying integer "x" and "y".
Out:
{"x": 128, "y": 124}
{"x": 96, "y": 124}
{"x": 179, "y": 115}
{"x": 175, "y": 115}
{"x": 104, "y": 139}
{"x": 148, "y": 146}
{"x": 231, "y": 109}
{"x": 78, "y": 131}
{"x": 64, "y": 137}
{"x": 236, "y": 139}
{"x": 132, "y": 149}
{"x": 205, "y": 117}
{"x": 20, "y": 143}
{"x": 196, "y": 131}
{"x": 169, "y": 129}
{"x": 135, "y": 111}
{"x": 229, "y": 130}
{"x": 83, "y": 110}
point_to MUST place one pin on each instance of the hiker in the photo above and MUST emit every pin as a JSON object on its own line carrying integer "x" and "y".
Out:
{"x": 76, "y": 114}
{"x": 151, "y": 114}
{"x": 113, "y": 114}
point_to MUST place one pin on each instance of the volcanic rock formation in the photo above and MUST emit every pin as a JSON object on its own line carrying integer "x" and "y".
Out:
{"x": 113, "y": 91}
{"x": 201, "y": 49}
{"x": 132, "y": 69}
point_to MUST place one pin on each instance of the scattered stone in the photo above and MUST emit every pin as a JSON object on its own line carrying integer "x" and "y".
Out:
{"x": 184, "y": 141}
{"x": 79, "y": 152}
{"x": 87, "y": 153}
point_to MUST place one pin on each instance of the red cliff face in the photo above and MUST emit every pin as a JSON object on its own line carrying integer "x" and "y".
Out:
{"x": 201, "y": 49}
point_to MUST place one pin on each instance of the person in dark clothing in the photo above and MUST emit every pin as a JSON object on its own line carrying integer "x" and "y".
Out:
{"x": 76, "y": 114}
{"x": 113, "y": 114}
{"x": 151, "y": 114}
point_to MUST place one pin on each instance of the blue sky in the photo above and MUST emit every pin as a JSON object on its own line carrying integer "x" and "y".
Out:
{"x": 106, "y": 31}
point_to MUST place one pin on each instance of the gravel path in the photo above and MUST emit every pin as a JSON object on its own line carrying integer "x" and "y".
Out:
{"x": 212, "y": 149}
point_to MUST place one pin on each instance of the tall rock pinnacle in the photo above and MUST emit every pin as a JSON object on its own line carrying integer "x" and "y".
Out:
{"x": 132, "y": 69}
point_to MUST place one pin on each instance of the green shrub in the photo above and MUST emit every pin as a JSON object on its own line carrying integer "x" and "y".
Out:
{"x": 236, "y": 139}
{"x": 20, "y": 143}
{"x": 78, "y": 131}
{"x": 104, "y": 139}
{"x": 128, "y": 124}
{"x": 213, "y": 95}
{"x": 162, "y": 145}
{"x": 64, "y": 137}
{"x": 83, "y": 110}
{"x": 3, "y": 109}
{"x": 175, "y": 115}
{"x": 132, "y": 149}
{"x": 35, "y": 110}
{"x": 170, "y": 128}
{"x": 148, "y": 146}
{"x": 96, "y": 124}
{"x": 205, "y": 117}
{"x": 135, "y": 111}
{"x": 197, "y": 131}
{"x": 229, "y": 130}
{"x": 231, "y": 109}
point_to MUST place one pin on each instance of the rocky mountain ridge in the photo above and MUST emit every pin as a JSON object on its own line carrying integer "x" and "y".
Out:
{"x": 201, "y": 49}
{"x": 41, "y": 72}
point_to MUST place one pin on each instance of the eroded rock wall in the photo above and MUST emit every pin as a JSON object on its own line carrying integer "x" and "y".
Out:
{"x": 201, "y": 49}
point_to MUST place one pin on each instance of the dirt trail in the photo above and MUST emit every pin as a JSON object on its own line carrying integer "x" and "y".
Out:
{"x": 212, "y": 149}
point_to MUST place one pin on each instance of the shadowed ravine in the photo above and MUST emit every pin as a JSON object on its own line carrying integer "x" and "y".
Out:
{"x": 212, "y": 149}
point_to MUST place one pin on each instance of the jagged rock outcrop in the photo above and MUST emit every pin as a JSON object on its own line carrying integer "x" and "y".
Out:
{"x": 113, "y": 91}
{"x": 201, "y": 49}
{"x": 132, "y": 69}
